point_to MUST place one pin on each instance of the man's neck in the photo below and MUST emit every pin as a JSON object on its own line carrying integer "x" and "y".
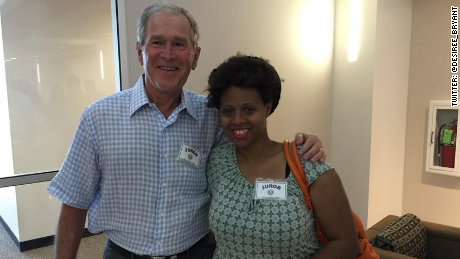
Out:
{"x": 165, "y": 102}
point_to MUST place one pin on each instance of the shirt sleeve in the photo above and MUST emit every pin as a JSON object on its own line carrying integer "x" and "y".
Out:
{"x": 313, "y": 170}
{"x": 77, "y": 181}
{"x": 214, "y": 166}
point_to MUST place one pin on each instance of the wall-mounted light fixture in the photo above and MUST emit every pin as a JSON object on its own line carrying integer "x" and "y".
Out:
{"x": 38, "y": 72}
{"x": 101, "y": 57}
{"x": 317, "y": 29}
{"x": 354, "y": 30}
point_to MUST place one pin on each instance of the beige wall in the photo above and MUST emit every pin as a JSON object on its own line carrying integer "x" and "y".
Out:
{"x": 357, "y": 109}
{"x": 226, "y": 28}
{"x": 432, "y": 197}
{"x": 389, "y": 104}
{"x": 268, "y": 29}
{"x": 38, "y": 212}
{"x": 369, "y": 107}
{"x": 8, "y": 207}
{"x": 67, "y": 40}
{"x": 352, "y": 106}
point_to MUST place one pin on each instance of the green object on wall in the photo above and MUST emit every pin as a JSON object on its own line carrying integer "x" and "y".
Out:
{"x": 447, "y": 136}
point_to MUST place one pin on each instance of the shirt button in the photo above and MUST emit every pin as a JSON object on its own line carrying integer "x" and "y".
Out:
{"x": 164, "y": 185}
{"x": 161, "y": 214}
{"x": 165, "y": 155}
{"x": 158, "y": 242}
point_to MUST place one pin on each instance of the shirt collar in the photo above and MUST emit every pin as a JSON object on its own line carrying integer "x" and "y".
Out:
{"x": 186, "y": 103}
{"x": 139, "y": 98}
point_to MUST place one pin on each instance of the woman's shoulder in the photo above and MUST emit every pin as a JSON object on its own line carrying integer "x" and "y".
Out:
{"x": 220, "y": 156}
{"x": 313, "y": 170}
{"x": 219, "y": 162}
{"x": 223, "y": 150}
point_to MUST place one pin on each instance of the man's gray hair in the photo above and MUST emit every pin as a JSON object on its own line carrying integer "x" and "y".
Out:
{"x": 171, "y": 9}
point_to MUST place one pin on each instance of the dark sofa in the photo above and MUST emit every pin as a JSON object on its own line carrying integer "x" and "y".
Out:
{"x": 443, "y": 241}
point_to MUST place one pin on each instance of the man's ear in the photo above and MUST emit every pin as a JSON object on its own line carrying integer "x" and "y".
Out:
{"x": 196, "y": 57}
{"x": 140, "y": 54}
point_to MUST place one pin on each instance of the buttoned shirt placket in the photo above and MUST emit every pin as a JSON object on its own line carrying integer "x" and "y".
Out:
{"x": 163, "y": 189}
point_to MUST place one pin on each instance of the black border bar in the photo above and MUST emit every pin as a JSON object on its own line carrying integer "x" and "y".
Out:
{"x": 29, "y": 178}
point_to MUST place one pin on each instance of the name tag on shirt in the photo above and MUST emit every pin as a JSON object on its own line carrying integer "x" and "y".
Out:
{"x": 190, "y": 154}
{"x": 270, "y": 190}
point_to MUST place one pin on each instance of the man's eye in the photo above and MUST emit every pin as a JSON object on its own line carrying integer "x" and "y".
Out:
{"x": 179, "y": 44}
{"x": 156, "y": 42}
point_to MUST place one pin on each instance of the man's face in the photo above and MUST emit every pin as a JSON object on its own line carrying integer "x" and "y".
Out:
{"x": 167, "y": 55}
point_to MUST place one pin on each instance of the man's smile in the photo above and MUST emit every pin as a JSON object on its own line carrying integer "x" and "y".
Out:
{"x": 168, "y": 68}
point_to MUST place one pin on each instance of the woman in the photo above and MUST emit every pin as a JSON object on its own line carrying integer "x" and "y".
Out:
{"x": 246, "y": 90}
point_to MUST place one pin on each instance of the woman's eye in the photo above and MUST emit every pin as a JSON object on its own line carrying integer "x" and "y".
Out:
{"x": 226, "y": 111}
{"x": 249, "y": 109}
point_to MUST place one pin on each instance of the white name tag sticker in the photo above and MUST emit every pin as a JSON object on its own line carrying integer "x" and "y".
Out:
{"x": 270, "y": 190}
{"x": 190, "y": 154}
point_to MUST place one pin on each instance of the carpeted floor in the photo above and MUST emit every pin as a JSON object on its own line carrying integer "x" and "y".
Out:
{"x": 90, "y": 248}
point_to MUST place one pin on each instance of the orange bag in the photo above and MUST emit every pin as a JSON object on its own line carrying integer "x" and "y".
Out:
{"x": 367, "y": 252}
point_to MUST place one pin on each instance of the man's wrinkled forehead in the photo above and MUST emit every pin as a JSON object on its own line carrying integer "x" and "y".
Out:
{"x": 154, "y": 24}
{"x": 159, "y": 37}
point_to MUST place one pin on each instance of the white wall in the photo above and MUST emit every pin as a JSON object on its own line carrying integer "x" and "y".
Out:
{"x": 432, "y": 197}
{"x": 369, "y": 104}
{"x": 271, "y": 30}
{"x": 226, "y": 27}
{"x": 352, "y": 106}
{"x": 67, "y": 40}
{"x": 8, "y": 207}
{"x": 389, "y": 104}
{"x": 38, "y": 212}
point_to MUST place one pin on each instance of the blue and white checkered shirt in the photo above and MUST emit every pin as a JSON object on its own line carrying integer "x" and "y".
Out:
{"x": 142, "y": 176}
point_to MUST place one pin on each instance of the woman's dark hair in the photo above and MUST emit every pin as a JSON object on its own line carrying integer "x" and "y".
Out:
{"x": 245, "y": 72}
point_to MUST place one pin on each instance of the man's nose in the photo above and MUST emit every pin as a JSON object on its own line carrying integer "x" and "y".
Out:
{"x": 168, "y": 51}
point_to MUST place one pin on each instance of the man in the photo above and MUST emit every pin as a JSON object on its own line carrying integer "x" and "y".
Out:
{"x": 138, "y": 158}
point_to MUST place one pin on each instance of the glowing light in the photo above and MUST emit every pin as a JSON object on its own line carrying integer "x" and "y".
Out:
{"x": 354, "y": 30}
{"x": 38, "y": 73}
{"x": 317, "y": 29}
{"x": 101, "y": 57}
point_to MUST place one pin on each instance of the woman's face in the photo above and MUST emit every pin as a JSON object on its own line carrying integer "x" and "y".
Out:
{"x": 243, "y": 115}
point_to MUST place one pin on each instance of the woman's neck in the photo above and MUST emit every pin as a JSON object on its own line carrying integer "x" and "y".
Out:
{"x": 262, "y": 160}
{"x": 259, "y": 151}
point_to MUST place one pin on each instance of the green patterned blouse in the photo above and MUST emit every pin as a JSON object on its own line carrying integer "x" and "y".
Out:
{"x": 248, "y": 228}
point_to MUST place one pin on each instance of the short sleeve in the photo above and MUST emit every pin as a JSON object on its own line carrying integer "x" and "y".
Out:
{"x": 313, "y": 170}
{"x": 217, "y": 161}
{"x": 211, "y": 170}
{"x": 77, "y": 181}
